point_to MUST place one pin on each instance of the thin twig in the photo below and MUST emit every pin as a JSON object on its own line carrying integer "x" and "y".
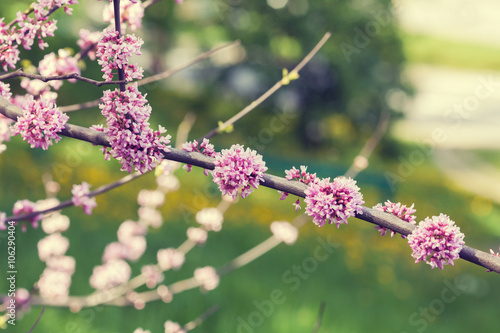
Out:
{"x": 193, "y": 61}
{"x": 73, "y": 76}
{"x": 37, "y": 320}
{"x": 204, "y": 316}
{"x": 268, "y": 93}
{"x": 156, "y": 77}
{"x": 321, "y": 312}
{"x": 69, "y": 203}
{"x": 361, "y": 160}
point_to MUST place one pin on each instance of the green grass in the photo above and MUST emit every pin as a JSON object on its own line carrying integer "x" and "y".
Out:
{"x": 444, "y": 52}
{"x": 368, "y": 281}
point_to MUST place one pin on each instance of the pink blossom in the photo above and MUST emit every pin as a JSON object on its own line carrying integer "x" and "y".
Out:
{"x": 47, "y": 203}
{"x": 135, "y": 248}
{"x": 197, "y": 235}
{"x": 5, "y": 90}
{"x": 495, "y": 254}
{"x": 62, "y": 264}
{"x": 88, "y": 42}
{"x": 22, "y": 300}
{"x": 207, "y": 277}
{"x": 210, "y": 218}
{"x": 152, "y": 274}
{"x": 398, "y": 210}
{"x": 114, "y": 250}
{"x": 9, "y": 53}
{"x": 301, "y": 176}
{"x": 54, "y": 285}
{"x": 39, "y": 89}
{"x": 3, "y": 225}
{"x": 172, "y": 327}
{"x": 205, "y": 148}
{"x": 150, "y": 216}
{"x": 284, "y": 232}
{"x": 150, "y": 198}
{"x": 53, "y": 245}
{"x": 24, "y": 207}
{"x": 63, "y": 64}
{"x": 40, "y": 123}
{"x": 130, "y": 229}
{"x": 333, "y": 202}
{"x": 55, "y": 223}
{"x": 132, "y": 141}
{"x": 5, "y": 132}
{"x": 140, "y": 330}
{"x": 81, "y": 197}
{"x": 114, "y": 52}
{"x": 437, "y": 241}
{"x": 170, "y": 259}
{"x": 168, "y": 183}
{"x": 237, "y": 169}
{"x": 131, "y": 13}
{"x": 113, "y": 273}
{"x": 165, "y": 293}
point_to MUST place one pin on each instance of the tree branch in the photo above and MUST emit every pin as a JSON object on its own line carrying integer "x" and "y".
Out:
{"x": 20, "y": 73}
{"x": 382, "y": 219}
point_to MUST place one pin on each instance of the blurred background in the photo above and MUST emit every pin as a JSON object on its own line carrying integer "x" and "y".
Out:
{"x": 432, "y": 65}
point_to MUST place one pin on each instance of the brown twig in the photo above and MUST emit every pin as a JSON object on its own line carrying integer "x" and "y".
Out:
{"x": 321, "y": 312}
{"x": 361, "y": 160}
{"x": 20, "y": 73}
{"x": 268, "y": 93}
{"x": 156, "y": 77}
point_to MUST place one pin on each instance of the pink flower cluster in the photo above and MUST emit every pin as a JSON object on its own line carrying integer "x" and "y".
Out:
{"x": 197, "y": 235}
{"x": 113, "y": 273}
{"x": 132, "y": 141}
{"x": 24, "y": 207}
{"x": 205, "y": 148}
{"x": 495, "y": 254}
{"x": 140, "y": 330}
{"x": 150, "y": 198}
{"x": 114, "y": 52}
{"x": 333, "y": 202}
{"x": 81, "y": 197}
{"x": 210, "y": 218}
{"x": 398, "y": 210}
{"x": 25, "y": 29}
{"x": 237, "y": 168}
{"x": 302, "y": 176}
{"x": 172, "y": 327}
{"x": 88, "y": 42}
{"x": 55, "y": 281}
{"x": 55, "y": 222}
{"x": 152, "y": 274}
{"x": 284, "y": 232}
{"x": 170, "y": 259}
{"x": 207, "y": 277}
{"x": 131, "y": 13}
{"x": 40, "y": 123}
{"x": 4, "y": 121}
{"x": 437, "y": 241}
{"x": 62, "y": 64}
{"x": 131, "y": 242}
{"x": 54, "y": 245}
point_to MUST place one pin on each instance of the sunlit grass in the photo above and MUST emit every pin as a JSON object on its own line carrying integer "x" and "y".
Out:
{"x": 449, "y": 53}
